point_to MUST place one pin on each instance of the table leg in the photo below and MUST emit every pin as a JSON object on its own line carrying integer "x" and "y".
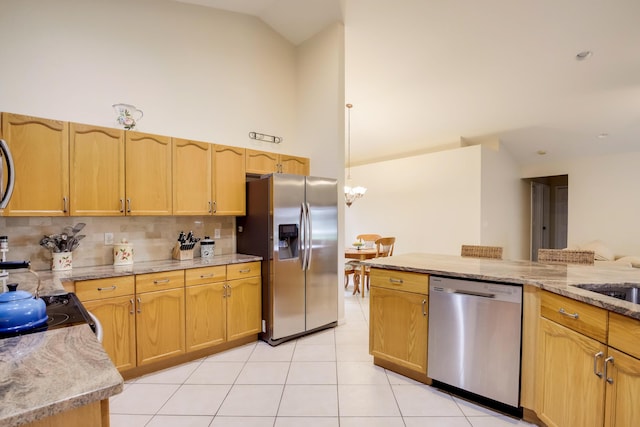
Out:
{"x": 362, "y": 278}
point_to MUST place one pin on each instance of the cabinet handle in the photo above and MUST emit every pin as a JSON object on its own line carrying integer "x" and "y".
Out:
{"x": 396, "y": 281}
{"x": 206, "y": 276}
{"x": 110, "y": 288}
{"x": 224, "y": 293}
{"x": 132, "y": 305}
{"x": 121, "y": 205}
{"x": 228, "y": 291}
{"x": 128, "y": 205}
{"x": 247, "y": 270}
{"x": 161, "y": 281}
{"x": 215, "y": 206}
{"x": 64, "y": 204}
{"x": 606, "y": 362}
{"x": 573, "y": 316}
{"x": 210, "y": 206}
{"x": 595, "y": 364}
{"x": 139, "y": 305}
{"x": 424, "y": 307}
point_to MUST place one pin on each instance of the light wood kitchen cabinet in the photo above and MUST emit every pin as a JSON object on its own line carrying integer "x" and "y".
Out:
{"x": 148, "y": 174}
{"x": 229, "y": 180}
{"x": 244, "y": 300}
{"x": 206, "y": 307}
{"x": 262, "y": 162}
{"x": 192, "y": 171}
{"x": 40, "y": 150}
{"x": 97, "y": 178}
{"x": 160, "y": 316}
{"x": 398, "y": 331}
{"x": 569, "y": 391}
{"x": 622, "y": 372}
{"x": 112, "y": 302}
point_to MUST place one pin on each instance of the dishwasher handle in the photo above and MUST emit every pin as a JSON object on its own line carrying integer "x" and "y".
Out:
{"x": 473, "y": 293}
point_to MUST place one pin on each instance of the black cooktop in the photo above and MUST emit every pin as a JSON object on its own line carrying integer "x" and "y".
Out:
{"x": 63, "y": 311}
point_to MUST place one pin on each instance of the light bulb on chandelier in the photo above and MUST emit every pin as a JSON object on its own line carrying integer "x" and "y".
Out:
{"x": 351, "y": 193}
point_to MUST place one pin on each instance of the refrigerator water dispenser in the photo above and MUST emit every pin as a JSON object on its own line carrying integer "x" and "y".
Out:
{"x": 288, "y": 241}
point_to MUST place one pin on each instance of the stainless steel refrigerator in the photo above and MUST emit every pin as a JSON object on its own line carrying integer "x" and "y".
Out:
{"x": 292, "y": 223}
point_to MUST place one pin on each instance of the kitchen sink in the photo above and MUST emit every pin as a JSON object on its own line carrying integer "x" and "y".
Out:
{"x": 631, "y": 294}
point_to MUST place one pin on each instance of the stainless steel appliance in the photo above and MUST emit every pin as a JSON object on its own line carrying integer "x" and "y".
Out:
{"x": 6, "y": 161}
{"x": 292, "y": 223}
{"x": 475, "y": 333}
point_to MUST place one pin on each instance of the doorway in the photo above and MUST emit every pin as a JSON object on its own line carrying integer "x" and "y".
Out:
{"x": 549, "y": 213}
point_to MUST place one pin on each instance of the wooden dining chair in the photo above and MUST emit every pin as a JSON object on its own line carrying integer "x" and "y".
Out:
{"x": 384, "y": 248}
{"x": 368, "y": 238}
{"x": 351, "y": 269}
{"x": 478, "y": 251}
{"x": 566, "y": 256}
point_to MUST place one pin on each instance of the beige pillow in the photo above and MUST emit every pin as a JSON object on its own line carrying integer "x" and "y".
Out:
{"x": 634, "y": 261}
{"x": 603, "y": 253}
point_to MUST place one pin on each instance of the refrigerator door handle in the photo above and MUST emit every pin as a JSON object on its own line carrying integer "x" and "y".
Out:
{"x": 302, "y": 240}
{"x": 309, "y": 236}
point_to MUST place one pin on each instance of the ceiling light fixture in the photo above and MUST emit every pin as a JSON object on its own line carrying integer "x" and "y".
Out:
{"x": 541, "y": 152}
{"x": 584, "y": 55}
{"x": 603, "y": 135}
{"x": 351, "y": 193}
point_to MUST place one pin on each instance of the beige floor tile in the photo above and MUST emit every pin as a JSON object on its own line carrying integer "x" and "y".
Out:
{"x": 422, "y": 400}
{"x": 238, "y": 354}
{"x": 371, "y": 422}
{"x": 263, "y": 373}
{"x": 361, "y": 373}
{"x": 195, "y": 399}
{"x": 212, "y": 372}
{"x": 307, "y": 422}
{"x": 367, "y": 401}
{"x": 143, "y": 398}
{"x": 175, "y": 375}
{"x": 266, "y": 353}
{"x": 120, "y": 420}
{"x": 252, "y": 400}
{"x": 224, "y": 421}
{"x": 312, "y": 373}
{"x": 315, "y": 353}
{"x": 179, "y": 421}
{"x": 309, "y": 400}
{"x": 436, "y": 422}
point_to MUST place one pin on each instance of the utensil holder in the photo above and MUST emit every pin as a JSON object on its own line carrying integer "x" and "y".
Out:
{"x": 61, "y": 261}
{"x": 182, "y": 254}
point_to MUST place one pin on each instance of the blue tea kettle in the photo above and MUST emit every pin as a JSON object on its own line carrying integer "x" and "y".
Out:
{"x": 20, "y": 311}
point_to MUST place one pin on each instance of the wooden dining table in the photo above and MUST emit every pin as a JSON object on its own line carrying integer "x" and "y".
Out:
{"x": 360, "y": 255}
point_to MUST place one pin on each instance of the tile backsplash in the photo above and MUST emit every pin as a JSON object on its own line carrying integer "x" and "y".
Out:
{"x": 153, "y": 238}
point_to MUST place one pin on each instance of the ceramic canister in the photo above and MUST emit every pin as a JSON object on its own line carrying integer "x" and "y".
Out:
{"x": 123, "y": 253}
{"x": 207, "y": 247}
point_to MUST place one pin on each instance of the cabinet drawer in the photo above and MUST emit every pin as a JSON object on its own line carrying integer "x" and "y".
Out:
{"x": 159, "y": 281}
{"x": 400, "y": 280}
{"x": 239, "y": 271}
{"x": 88, "y": 290}
{"x": 199, "y": 276}
{"x": 584, "y": 318}
{"x": 624, "y": 334}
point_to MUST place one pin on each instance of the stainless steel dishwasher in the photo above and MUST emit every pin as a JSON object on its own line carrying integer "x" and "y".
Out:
{"x": 475, "y": 333}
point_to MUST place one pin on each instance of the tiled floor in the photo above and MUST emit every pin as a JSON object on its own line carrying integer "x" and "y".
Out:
{"x": 323, "y": 380}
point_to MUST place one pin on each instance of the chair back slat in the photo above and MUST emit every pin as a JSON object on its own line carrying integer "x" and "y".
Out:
{"x": 566, "y": 256}
{"x": 477, "y": 251}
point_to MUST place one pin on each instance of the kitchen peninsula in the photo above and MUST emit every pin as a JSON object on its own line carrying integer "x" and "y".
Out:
{"x": 580, "y": 349}
{"x": 67, "y": 371}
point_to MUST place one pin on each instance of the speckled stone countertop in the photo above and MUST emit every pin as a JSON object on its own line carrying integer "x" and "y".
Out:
{"x": 46, "y": 373}
{"x": 561, "y": 279}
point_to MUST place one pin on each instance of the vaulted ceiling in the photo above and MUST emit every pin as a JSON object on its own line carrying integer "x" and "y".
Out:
{"x": 429, "y": 74}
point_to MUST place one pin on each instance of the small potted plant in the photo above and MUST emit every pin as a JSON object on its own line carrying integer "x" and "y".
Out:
{"x": 62, "y": 245}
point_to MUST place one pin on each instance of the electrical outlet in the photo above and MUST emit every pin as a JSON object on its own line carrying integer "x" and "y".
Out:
{"x": 216, "y": 233}
{"x": 108, "y": 238}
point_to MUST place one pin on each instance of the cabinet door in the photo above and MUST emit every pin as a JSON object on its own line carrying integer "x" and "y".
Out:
{"x": 244, "y": 307}
{"x": 118, "y": 322}
{"x": 398, "y": 328}
{"x": 261, "y": 162}
{"x": 568, "y": 392}
{"x": 229, "y": 181}
{"x": 160, "y": 325}
{"x": 148, "y": 174}
{"x": 622, "y": 407}
{"x": 294, "y": 165}
{"x": 97, "y": 171}
{"x": 40, "y": 150}
{"x": 206, "y": 308}
{"x": 191, "y": 177}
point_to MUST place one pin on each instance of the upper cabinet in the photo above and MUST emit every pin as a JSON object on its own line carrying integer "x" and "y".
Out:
{"x": 148, "y": 174}
{"x": 40, "y": 150}
{"x": 192, "y": 168}
{"x": 262, "y": 162}
{"x": 229, "y": 181}
{"x": 97, "y": 171}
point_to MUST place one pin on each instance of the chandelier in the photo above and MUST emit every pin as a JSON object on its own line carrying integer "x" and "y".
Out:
{"x": 351, "y": 193}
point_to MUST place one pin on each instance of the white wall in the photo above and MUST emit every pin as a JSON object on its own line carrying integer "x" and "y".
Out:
{"x": 505, "y": 218}
{"x": 196, "y": 72}
{"x": 431, "y": 203}
{"x": 604, "y": 202}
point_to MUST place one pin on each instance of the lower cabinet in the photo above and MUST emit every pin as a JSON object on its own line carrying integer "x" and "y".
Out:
{"x": 581, "y": 380}
{"x": 160, "y": 316}
{"x": 206, "y": 307}
{"x": 244, "y": 300}
{"x": 398, "y": 331}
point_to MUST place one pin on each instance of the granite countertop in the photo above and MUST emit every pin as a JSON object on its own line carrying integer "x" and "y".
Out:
{"x": 45, "y": 373}
{"x": 561, "y": 279}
